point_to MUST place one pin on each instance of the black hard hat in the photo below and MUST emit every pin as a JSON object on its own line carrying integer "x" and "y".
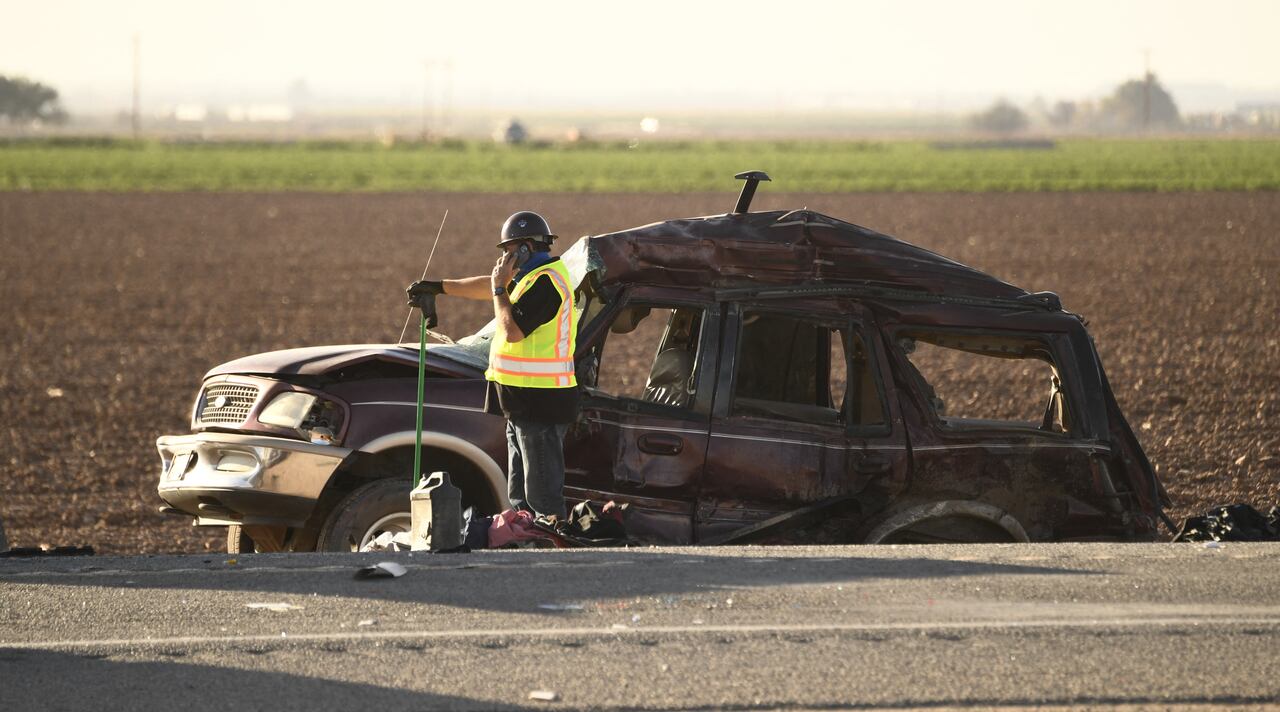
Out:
{"x": 526, "y": 225}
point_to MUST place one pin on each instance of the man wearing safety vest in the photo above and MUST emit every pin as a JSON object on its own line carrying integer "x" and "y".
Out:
{"x": 530, "y": 358}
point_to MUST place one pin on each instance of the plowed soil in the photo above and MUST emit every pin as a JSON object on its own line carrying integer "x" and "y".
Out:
{"x": 116, "y": 305}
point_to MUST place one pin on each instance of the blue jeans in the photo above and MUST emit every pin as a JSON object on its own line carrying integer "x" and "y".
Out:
{"x": 535, "y": 458}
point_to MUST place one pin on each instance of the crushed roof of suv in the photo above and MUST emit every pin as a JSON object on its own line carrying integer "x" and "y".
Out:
{"x": 783, "y": 247}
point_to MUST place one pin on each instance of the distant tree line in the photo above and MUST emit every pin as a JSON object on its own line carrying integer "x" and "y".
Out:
{"x": 1001, "y": 117}
{"x": 1135, "y": 105}
{"x": 23, "y": 101}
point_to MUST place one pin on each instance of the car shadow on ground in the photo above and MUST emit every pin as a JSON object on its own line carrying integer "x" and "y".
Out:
{"x": 42, "y": 679}
{"x": 508, "y": 581}
{"x": 92, "y": 681}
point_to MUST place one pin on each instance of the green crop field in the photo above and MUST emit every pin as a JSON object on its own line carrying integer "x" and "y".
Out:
{"x": 807, "y": 166}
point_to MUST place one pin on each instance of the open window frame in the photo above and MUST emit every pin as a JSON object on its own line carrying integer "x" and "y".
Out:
{"x": 854, "y": 333}
{"x": 593, "y": 352}
{"x": 1010, "y": 345}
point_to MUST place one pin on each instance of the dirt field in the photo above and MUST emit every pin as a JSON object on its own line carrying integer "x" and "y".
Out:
{"x": 117, "y": 304}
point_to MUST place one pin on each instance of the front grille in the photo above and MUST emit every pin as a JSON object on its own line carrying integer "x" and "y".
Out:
{"x": 227, "y": 403}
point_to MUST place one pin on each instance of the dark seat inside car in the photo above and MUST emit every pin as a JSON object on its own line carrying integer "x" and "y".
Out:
{"x": 669, "y": 378}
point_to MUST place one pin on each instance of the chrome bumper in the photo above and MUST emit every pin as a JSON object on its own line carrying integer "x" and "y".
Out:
{"x": 226, "y": 478}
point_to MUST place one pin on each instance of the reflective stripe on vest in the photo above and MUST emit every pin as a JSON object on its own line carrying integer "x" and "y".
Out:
{"x": 544, "y": 358}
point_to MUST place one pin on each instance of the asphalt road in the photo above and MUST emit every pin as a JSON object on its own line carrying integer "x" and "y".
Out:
{"x": 1103, "y": 625}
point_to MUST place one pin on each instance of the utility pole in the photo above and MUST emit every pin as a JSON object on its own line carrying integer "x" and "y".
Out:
{"x": 137, "y": 87}
{"x": 437, "y": 94}
{"x": 1146, "y": 90}
{"x": 426, "y": 92}
{"x": 449, "y": 116}
{"x": 443, "y": 92}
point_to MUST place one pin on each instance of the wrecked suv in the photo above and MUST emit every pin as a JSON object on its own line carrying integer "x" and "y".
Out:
{"x": 784, "y": 375}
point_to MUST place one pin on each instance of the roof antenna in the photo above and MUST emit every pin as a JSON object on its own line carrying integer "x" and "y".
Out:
{"x": 752, "y": 179}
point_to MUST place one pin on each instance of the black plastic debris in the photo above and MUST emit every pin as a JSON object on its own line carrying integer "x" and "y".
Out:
{"x": 603, "y": 527}
{"x": 1232, "y": 522}
{"x": 588, "y": 525}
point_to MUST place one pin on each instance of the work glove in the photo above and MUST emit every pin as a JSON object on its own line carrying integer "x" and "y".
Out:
{"x": 426, "y": 286}
{"x": 422, "y": 295}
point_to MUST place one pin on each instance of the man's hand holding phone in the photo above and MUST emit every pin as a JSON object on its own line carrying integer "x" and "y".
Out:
{"x": 503, "y": 270}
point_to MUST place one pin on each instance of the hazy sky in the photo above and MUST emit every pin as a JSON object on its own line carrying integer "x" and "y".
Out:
{"x": 658, "y": 52}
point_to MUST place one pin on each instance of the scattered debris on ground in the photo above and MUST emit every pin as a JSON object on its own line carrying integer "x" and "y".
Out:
{"x": 389, "y": 541}
{"x": 382, "y": 569}
{"x": 1233, "y": 522}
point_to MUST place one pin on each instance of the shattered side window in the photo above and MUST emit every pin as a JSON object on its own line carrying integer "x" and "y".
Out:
{"x": 650, "y": 354}
{"x": 585, "y": 266}
{"x": 978, "y": 380}
{"x": 789, "y": 368}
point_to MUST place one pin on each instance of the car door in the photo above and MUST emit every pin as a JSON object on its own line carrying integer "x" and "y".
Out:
{"x": 647, "y": 375}
{"x": 1003, "y": 421}
{"x": 802, "y": 413}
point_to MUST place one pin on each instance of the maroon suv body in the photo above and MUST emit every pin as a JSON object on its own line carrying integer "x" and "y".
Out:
{"x": 781, "y": 374}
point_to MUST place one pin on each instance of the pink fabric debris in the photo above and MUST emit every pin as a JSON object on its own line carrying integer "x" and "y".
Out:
{"x": 512, "y": 526}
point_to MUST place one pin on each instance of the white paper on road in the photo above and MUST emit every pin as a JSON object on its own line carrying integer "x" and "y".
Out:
{"x": 382, "y": 569}
{"x": 273, "y": 606}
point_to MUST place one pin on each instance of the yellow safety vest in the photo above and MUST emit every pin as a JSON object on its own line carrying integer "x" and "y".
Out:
{"x": 543, "y": 359}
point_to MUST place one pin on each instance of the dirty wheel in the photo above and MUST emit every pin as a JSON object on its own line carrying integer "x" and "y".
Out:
{"x": 258, "y": 539}
{"x": 238, "y": 542}
{"x": 368, "y": 511}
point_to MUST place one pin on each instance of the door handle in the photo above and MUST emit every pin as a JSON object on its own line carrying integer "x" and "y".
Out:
{"x": 660, "y": 444}
{"x": 873, "y": 464}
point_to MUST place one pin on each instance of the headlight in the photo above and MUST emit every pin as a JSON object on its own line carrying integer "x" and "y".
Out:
{"x": 315, "y": 418}
{"x": 287, "y": 410}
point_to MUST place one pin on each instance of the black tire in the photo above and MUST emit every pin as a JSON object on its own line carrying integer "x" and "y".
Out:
{"x": 950, "y": 530}
{"x": 351, "y": 521}
{"x": 238, "y": 542}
